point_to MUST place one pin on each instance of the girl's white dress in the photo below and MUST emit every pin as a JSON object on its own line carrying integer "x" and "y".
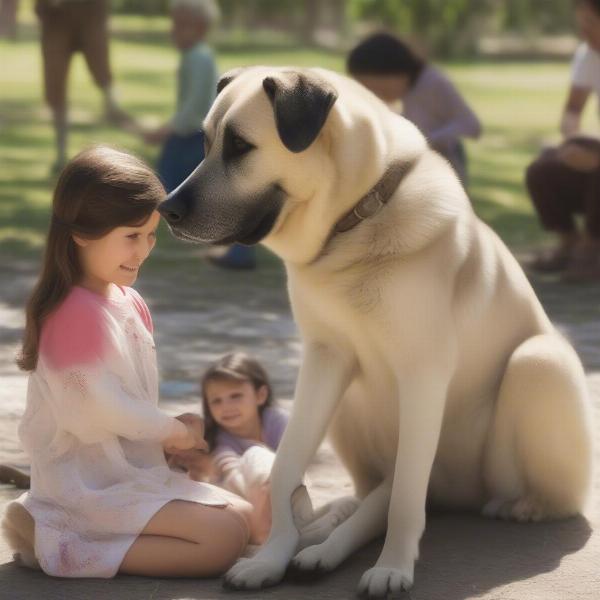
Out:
{"x": 93, "y": 433}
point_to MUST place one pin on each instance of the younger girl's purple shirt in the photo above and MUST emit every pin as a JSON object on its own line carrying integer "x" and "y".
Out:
{"x": 229, "y": 446}
{"x": 273, "y": 420}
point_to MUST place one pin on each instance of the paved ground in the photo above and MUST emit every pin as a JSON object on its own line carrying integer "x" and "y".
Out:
{"x": 201, "y": 313}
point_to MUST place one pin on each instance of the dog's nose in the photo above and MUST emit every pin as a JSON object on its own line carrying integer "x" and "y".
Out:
{"x": 173, "y": 209}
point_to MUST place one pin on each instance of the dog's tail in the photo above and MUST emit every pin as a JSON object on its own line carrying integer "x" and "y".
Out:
{"x": 18, "y": 528}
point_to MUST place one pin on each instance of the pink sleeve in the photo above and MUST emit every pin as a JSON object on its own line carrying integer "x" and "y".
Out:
{"x": 142, "y": 309}
{"x": 93, "y": 390}
{"x": 75, "y": 333}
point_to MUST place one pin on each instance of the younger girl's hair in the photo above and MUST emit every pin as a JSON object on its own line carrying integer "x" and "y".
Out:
{"x": 99, "y": 190}
{"x": 384, "y": 54}
{"x": 238, "y": 367}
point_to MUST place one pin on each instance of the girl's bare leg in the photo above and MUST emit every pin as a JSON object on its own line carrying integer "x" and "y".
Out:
{"x": 260, "y": 521}
{"x": 186, "y": 539}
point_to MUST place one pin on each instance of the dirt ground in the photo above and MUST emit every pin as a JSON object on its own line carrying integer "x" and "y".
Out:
{"x": 202, "y": 312}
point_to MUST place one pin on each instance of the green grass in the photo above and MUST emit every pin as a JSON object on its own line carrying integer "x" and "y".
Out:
{"x": 519, "y": 104}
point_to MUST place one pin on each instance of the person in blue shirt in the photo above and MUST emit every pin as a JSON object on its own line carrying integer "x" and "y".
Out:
{"x": 181, "y": 137}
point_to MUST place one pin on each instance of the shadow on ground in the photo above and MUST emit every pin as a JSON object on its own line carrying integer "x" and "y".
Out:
{"x": 461, "y": 557}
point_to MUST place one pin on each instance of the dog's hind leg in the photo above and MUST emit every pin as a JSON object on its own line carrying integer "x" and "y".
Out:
{"x": 352, "y": 445}
{"x": 538, "y": 461}
{"x": 18, "y": 529}
{"x": 366, "y": 523}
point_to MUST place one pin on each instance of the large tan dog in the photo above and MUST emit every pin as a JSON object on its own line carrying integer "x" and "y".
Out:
{"x": 426, "y": 353}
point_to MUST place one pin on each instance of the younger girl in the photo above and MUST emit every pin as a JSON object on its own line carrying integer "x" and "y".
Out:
{"x": 102, "y": 498}
{"x": 239, "y": 415}
{"x": 243, "y": 430}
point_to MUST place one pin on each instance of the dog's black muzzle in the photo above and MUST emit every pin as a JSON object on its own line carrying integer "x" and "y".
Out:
{"x": 198, "y": 214}
{"x": 174, "y": 208}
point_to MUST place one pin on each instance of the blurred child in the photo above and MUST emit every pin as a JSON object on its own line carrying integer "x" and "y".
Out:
{"x": 8, "y": 18}
{"x": 182, "y": 138}
{"x": 391, "y": 70}
{"x": 585, "y": 70}
{"x": 563, "y": 181}
{"x": 102, "y": 497}
{"x": 68, "y": 26}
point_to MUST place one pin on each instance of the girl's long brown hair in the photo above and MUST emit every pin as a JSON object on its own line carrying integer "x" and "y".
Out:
{"x": 100, "y": 189}
{"x": 235, "y": 366}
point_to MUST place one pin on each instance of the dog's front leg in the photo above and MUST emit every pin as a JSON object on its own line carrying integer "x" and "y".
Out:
{"x": 323, "y": 378}
{"x": 421, "y": 411}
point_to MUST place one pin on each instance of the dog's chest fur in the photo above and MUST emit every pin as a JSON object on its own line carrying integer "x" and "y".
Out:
{"x": 361, "y": 311}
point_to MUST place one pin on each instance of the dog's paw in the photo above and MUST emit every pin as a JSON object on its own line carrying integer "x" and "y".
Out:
{"x": 522, "y": 510}
{"x": 378, "y": 582}
{"x": 253, "y": 574}
{"x": 320, "y": 529}
{"x": 316, "y": 559}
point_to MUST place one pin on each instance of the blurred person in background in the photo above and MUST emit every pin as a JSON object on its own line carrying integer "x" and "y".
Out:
{"x": 384, "y": 64}
{"x": 8, "y": 18}
{"x": 68, "y": 26}
{"x": 565, "y": 181}
{"x": 181, "y": 137}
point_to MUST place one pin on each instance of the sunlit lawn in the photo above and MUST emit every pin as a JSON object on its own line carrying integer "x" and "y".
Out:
{"x": 519, "y": 104}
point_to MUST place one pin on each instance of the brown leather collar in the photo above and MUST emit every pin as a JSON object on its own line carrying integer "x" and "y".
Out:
{"x": 372, "y": 202}
{"x": 376, "y": 198}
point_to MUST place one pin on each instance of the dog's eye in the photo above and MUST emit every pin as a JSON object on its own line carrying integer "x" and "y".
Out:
{"x": 240, "y": 145}
{"x": 235, "y": 146}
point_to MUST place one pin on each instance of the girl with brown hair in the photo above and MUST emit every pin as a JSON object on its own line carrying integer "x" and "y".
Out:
{"x": 102, "y": 497}
{"x": 243, "y": 429}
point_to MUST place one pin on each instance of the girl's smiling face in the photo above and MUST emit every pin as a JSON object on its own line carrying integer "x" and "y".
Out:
{"x": 117, "y": 256}
{"x": 234, "y": 405}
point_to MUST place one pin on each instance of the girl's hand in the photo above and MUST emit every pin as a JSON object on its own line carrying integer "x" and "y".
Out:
{"x": 190, "y": 438}
{"x": 195, "y": 422}
{"x": 176, "y": 462}
{"x": 197, "y": 464}
{"x": 201, "y": 467}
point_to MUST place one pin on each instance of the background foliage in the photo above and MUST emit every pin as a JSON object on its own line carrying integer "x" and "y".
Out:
{"x": 451, "y": 27}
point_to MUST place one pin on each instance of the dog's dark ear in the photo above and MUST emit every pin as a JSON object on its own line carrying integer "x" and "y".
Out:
{"x": 228, "y": 77}
{"x": 301, "y": 103}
